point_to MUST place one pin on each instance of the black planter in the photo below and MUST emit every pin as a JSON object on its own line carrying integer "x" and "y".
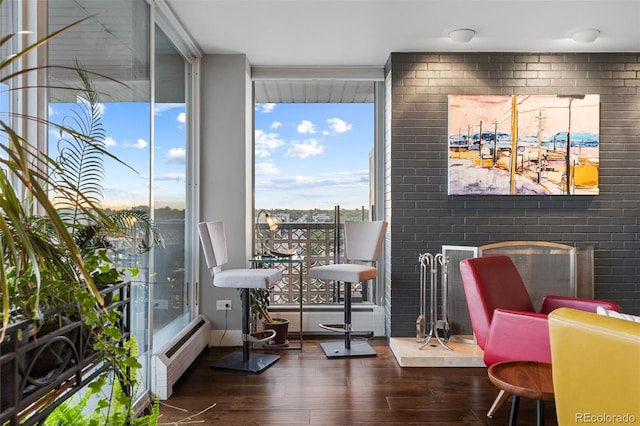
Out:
{"x": 34, "y": 364}
{"x": 30, "y": 360}
{"x": 281, "y": 327}
{"x": 54, "y": 350}
{"x": 8, "y": 372}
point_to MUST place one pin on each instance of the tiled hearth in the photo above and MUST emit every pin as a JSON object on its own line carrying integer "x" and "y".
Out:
{"x": 408, "y": 353}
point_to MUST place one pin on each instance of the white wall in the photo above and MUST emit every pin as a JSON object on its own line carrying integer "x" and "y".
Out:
{"x": 226, "y": 157}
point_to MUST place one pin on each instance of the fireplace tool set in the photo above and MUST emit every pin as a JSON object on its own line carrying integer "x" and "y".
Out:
{"x": 438, "y": 328}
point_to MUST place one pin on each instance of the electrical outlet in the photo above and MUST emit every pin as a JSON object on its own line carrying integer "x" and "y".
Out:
{"x": 223, "y": 305}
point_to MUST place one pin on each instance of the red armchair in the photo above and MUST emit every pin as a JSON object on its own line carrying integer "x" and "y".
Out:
{"x": 504, "y": 321}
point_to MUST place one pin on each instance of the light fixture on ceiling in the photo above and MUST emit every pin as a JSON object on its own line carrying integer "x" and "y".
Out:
{"x": 586, "y": 36}
{"x": 462, "y": 36}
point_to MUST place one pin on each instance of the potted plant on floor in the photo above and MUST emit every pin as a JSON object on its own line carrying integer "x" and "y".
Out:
{"x": 260, "y": 300}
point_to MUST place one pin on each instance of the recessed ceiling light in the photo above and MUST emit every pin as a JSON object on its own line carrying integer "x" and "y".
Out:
{"x": 586, "y": 36}
{"x": 462, "y": 36}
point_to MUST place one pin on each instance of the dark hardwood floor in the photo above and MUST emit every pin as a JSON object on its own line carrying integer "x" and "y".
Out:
{"x": 306, "y": 388}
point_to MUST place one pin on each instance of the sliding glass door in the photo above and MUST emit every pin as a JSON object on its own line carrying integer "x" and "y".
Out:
{"x": 143, "y": 82}
{"x": 170, "y": 290}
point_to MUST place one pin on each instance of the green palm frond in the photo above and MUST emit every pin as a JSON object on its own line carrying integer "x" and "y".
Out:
{"x": 6, "y": 63}
{"x": 80, "y": 162}
{"x": 79, "y": 172}
{"x": 22, "y": 251}
{"x": 139, "y": 229}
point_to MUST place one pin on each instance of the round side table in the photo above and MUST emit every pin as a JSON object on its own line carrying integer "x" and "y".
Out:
{"x": 527, "y": 379}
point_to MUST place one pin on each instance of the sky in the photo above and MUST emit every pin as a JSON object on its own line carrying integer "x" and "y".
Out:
{"x": 313, "y": 155}
{"x": 466, "y": 110}
{"x": 306, "y": 155}
{"x": 127, "y": 137}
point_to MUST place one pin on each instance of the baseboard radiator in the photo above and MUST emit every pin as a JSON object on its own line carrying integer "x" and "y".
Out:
{"x": 175, "y": 357}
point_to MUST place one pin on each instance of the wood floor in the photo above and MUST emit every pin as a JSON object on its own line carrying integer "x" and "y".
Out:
{"x": 306, "y": 388}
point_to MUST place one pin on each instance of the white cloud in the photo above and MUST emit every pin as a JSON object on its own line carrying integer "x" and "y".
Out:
{"x": 126, "y": 197}
{"x": 267, "y": 169}
{"x": 339, "y": 179}
{"x": 140, "y": 144}
{"x": 182, "y": 117}
{"x": 308, "y": 148}
{"x": 54, "y": 134}
{"x": 276, "y": 124}
{"x": 176, "y": 155}
{"x": 160, "y": 108}
{"x": 57, "y": 135}
{"x": 266, "y": 142}
{"x": 109, "y": 141}
{"x": 267, "y": 108}
{"x": 99, "y": 106}
{"x": 178, "y": 177}
{"x": 306, "y": 126}
{"x": 338, "y": 125}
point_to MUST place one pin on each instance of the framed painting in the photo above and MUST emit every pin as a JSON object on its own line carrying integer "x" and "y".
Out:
{"x": 524, "y": 144}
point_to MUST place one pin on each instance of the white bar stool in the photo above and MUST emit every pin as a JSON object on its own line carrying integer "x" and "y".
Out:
{"x": 214, "y": 244}
{"x": 362, "y": 241}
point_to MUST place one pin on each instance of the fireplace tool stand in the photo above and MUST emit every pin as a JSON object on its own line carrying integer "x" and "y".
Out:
{"x": 430, "y": 263}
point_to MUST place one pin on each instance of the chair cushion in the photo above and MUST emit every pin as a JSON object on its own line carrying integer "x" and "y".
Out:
{"x": 610, "y": 313}
{"x": 553, "y": 302}
{"x": 345, "y": 272}
{"x": 247, "y": 278}
{"x": 517, "y": 336}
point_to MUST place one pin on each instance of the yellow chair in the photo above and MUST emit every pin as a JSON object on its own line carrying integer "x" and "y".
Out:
{"x": 596, "y": 368}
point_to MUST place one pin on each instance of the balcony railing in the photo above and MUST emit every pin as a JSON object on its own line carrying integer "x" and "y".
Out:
{"x": 315, "y": 242}
{"x": 39, "y": 374}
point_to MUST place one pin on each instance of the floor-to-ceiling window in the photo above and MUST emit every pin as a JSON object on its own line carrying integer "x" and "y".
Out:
{"x": 114, "y": 42}
{"x": 5, "y": 28}
{"x": 170, "y": 290}
{"x": 144, "y": 84}
{"x": 317, "y": 134}
{"x": 311, "y": 158}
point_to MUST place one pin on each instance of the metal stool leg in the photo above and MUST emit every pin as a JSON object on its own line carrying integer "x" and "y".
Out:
{"x": 242, "y": 361}
{"x": 540, "y": 411}
{"x": 513, "y": 417}
{"x": 347, "y": 348}
{"x": 347, "y": 316}
{"x": 246, "y": 323}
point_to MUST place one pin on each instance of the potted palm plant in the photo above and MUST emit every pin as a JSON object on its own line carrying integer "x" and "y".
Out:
{"x": 52, "y": 263}
{"x": 41, "y": 265}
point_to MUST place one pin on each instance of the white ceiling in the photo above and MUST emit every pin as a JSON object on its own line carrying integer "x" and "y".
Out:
{"x": 364, "y": 32}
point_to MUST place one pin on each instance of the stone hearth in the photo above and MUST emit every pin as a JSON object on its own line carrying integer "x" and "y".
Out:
{"x": 408, "y": 353}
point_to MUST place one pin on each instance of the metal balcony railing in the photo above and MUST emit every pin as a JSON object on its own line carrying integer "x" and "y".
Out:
{"x": 315, "y": 242}
{"x": 38, "y": 373}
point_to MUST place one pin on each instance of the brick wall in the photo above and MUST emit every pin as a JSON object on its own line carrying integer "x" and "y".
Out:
{"x": 423, "y": 217}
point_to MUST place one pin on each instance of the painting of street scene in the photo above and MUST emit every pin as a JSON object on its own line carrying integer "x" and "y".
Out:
{"x": 524, "y": 144}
